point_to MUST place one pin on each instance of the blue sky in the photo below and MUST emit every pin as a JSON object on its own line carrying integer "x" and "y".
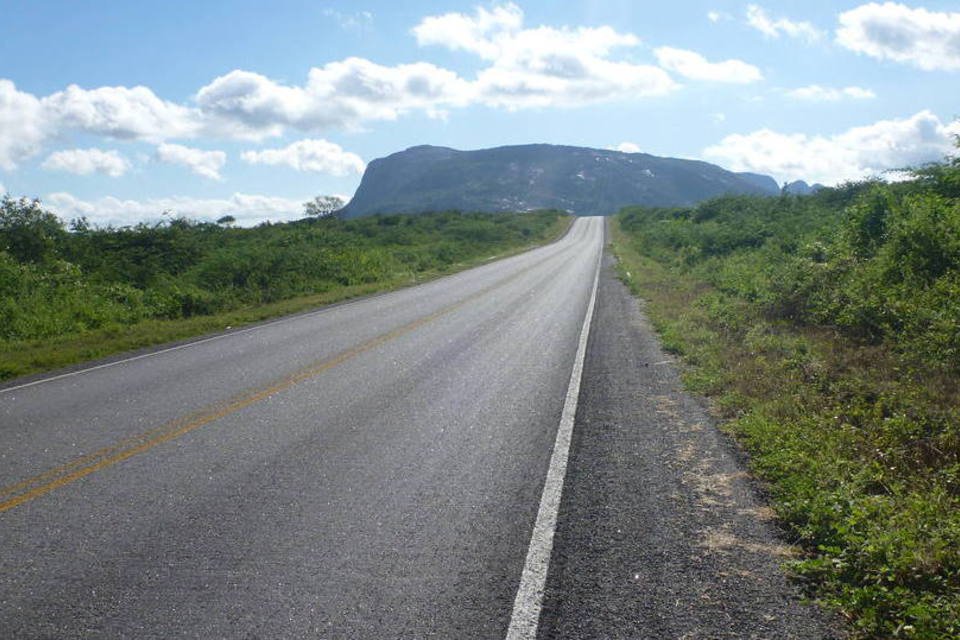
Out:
{"x": 121, "y": 110}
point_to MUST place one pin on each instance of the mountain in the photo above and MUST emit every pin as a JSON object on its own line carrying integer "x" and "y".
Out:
{"x": 768, "y": 184}
{"x": 801, "y": 188}
{"x": 539, "y": 176}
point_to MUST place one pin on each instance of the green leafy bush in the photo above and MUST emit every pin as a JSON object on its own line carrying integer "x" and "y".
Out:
{"x": 828, "y": 329}
{"x": 55, "y": 282}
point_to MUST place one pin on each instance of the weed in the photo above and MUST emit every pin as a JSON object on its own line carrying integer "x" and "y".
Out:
{"x": 826, "y": 330}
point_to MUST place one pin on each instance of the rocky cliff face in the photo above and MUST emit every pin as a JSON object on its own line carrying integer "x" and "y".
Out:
{"x": 518, "y": 178}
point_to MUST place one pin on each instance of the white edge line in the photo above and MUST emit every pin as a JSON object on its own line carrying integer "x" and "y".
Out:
{"x": 192, "y": 343}
{"x": 257, "y": 327}
{"x": 525, "y": 618}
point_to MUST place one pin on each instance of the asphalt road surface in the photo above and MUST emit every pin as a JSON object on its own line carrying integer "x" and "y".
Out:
{"x": 370, "y": 470}
{"x": 661, "y": 533}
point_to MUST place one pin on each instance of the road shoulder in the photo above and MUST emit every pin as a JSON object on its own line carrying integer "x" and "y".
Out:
{"x": 661, "y": 533}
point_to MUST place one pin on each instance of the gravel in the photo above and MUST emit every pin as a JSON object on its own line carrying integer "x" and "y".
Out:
{"x": 662, "y": 533}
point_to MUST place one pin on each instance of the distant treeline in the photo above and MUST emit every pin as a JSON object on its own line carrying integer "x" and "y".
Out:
{"x": 56, "y": 281}
{"x": 827, "y": 328}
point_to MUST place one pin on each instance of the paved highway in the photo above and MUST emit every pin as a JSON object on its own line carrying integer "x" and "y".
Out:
{"x": 370, "y": 470}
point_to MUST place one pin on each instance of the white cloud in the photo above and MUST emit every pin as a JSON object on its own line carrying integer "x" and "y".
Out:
{"x": 604, "y": 81}
{"x": 22, "y": 124}
{"x": 121, "y": 113}
{"x": 359, "y": 21}
{"x": 203, "y": 163}
{"x": 378, "y": 92}
{"x": 244, "y": 104}
{"x": 817, "y": 93}
{"x": 83, "y": 162}
{"x": 926, "y": 39}
{"x": 340, "y": 94}
{"x": 855, "y": 153}
{"x": 717, "y": 16}
{"x": 522, "y": 67}
{"x": 476, "y": 34}
{"x": 627, "y": 147}
{"x": 542, "y": 66}
{"x": 246, "y": 208}
{"x": 318, "y": 156}
{"x": 758, "y": 18}
{"x": 240, "y": 104}
{"x": 691, "y": 64}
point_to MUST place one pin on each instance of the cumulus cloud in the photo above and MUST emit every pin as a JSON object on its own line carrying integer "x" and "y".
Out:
{"x": 542, "y": 66}
{"x": 340, "y": 94}
{"x": 239, "y": 105}
{"x": 926, "y": 39}
{"x": 521, "y": 67}
{"x": 248, "y": 209}
{"x": 23, "y": 125}
{"x": 317, "y": 156}
{"x": 477, "y": 33}
{"x": 120, "y": 113}
{"x": 123, "y": 113}
{"x": 691, "y": 64}
{"x": 855, "y": 153}
{"x": 816, "y": 93}
{"x": 627, "y": 147}
{"x": 758, "y": 18}
{"x": 83, "y": 162}
{"x": 203, "y": 163}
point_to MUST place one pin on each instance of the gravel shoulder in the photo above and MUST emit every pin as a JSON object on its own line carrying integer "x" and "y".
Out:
{"x": 661, "y": 532}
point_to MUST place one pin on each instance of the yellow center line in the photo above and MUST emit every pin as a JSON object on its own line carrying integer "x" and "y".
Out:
{"x": 83, "y": 466}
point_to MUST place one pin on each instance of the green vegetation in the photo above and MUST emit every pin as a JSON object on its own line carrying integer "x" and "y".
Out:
{"x": 70, "y": 295}
{"x": 827, "y": 329}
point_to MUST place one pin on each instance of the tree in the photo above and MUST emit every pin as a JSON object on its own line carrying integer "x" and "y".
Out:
{"x": 323, "y": 206}
{"x": 226, "y": 220}
{"x": 27, "y": 231}
{"x": 80, "y": 225}
{"x": 943, "y": 177}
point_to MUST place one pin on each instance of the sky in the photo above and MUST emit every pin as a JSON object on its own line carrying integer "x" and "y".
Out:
{"x": 121, "y": 111}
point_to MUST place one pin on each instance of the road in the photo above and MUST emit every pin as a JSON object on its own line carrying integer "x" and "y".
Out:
{"x": 370, "y": 470}
{"x": 661, "y": 533}
{"x": 429, "y": 463}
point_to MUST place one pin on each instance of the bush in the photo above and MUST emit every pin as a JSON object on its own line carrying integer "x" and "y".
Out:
{"x": 828, "y": 326}
{"x": 56, "y": 283}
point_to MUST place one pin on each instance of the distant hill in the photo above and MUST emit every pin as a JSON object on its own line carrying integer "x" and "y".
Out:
{"x": 540, "y": 176}
{"x": 801, "y": 188}
{"x": 768, "y": 184}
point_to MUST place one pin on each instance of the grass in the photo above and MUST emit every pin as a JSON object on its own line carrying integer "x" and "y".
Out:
{"x": 26, "y": 357}
{"x": 859, "y": 448}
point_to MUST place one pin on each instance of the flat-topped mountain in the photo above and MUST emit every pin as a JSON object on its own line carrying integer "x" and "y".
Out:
{"x": 580, "y": 180}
